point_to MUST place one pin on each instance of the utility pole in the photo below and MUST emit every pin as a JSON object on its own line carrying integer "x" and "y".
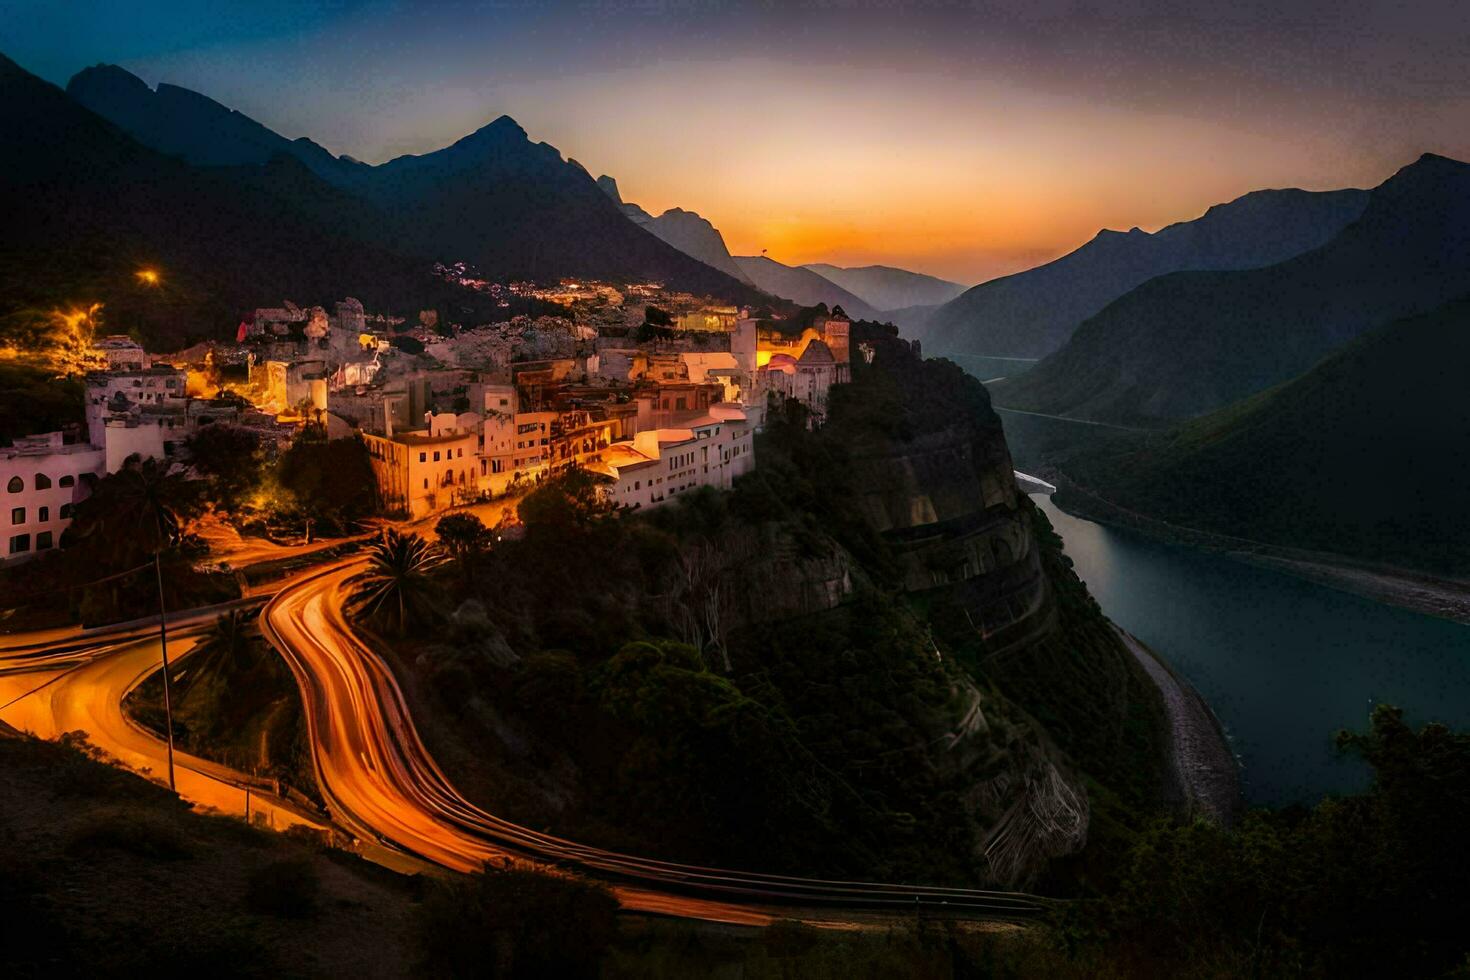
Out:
{"x": 168, "y": 707}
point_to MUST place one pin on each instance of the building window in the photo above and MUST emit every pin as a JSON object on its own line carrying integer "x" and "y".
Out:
{"x": 65, "y": 511}
{"x": 43, "y": 482}
{"x": 43, "y": 540}
{"x": 18, "y": 515}
{"x": 426, "y": 483}
{"x": 423, "y": 457}
{"x": 16, "y": 484}
{"x": 20, "y": 543}
{"x": 436, "y": 455}
{"x": 44, "y": 516}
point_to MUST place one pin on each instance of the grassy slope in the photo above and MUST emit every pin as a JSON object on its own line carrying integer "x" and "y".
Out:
{"x": 102, "y": 873}
{"x": 1363, "y": 455}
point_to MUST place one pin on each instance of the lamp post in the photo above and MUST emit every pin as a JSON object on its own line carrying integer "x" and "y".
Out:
{"x": 168, "y": 707}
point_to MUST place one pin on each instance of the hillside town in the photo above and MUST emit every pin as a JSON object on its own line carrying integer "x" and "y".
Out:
{"x": 655, "y": 394}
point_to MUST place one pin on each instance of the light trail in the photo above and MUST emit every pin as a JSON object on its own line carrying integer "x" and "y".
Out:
{"x": 380, "y": 782}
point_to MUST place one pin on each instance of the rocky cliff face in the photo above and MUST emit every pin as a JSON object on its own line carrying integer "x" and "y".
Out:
{"x": 906, "y": 499}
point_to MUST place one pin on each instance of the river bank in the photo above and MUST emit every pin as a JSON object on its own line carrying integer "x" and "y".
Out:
{"x": 1203, "y": 769}
{"x": 1421, "y": 592}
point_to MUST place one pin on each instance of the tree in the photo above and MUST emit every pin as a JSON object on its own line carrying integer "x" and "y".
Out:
{"x": 395, "y": 587}
{"x": 229, "y": 457}
{"x": 571, "y": 501}
{"x": 331, "y": 481}
{"x": 219, "y": 652}
{"x": 131, "y": 515}
{"x": 466, "y": 538}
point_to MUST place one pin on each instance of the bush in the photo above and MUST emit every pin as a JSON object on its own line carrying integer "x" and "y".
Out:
{"x": 141, "y": 834}
{"x": 287, "y": 889}
{"x": 519, "y": 923}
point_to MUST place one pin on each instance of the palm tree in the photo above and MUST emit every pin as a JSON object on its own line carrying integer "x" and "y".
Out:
{"x": 132, "y": 513}
{"x": 396, "y": 582}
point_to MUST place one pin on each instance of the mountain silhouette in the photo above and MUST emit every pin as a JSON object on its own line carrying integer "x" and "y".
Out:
{"x": 1191, "y": 342}
{"x": 511, "y": 208}
{"x": 1032, "y": 313}
{"x": 884, "y": 287}
{"x": 687, "y": 231}
{"x": 86, "y": 206}
{"x": 803, "y": 286}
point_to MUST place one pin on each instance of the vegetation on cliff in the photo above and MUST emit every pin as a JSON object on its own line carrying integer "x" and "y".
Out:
{"x": 747, "y": 678}
{"x": 1359, "y": 456}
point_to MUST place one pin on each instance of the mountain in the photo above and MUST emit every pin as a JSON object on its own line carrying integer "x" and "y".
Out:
{"x": 1192, "y": 342}
{"x": 85, "y": 206}
{"x": 1364, "y": 454}
{"x": 511, "y": 208}
{"x": 687, "y": 231}
{"x": 803, "y": 286}
{"x": 885, "y": 288}
{"x": 194, "y": 127}
{"x": 635, "y": 214}
{"x": 1032, "y": 313}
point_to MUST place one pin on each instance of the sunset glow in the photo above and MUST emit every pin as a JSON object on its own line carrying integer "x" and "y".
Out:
{"x": 962, "y": 141}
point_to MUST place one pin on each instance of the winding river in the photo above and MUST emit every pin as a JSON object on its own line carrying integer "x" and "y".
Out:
{"x": 1283, "y": 662}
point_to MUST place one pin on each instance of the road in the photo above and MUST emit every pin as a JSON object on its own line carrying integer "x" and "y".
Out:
{"x": 381, "y": 783}
{"x": 1069, "y": 418}
{"x": 82, "y": 689}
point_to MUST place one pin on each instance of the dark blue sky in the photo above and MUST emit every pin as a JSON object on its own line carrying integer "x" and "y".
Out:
{"x": 962, "y": 138}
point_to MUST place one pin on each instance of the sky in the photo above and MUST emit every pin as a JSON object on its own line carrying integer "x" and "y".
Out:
{"x": 962, "y": 139}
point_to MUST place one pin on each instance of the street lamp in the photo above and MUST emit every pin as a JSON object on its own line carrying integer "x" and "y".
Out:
{"x": 148, "y": 277}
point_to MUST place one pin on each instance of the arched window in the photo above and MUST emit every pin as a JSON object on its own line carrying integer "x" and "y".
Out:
{"x": 16, "y": 485}
{"x": 66, "y": 481}
{"x": 43, "y": 482}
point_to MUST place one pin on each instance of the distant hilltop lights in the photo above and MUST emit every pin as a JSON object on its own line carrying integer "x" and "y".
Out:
{"x": 148, "y": 277}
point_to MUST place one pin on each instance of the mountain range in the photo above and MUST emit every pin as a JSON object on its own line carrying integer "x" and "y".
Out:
{"x": 687, "y": 231}
{"x": 1363, "y": 454}
{"x": 885, "y": 288}
{"x": 85, "y": 206}
{"x": 1188, "y": 343}
{"x": 1033, "y": 313}
{"x": 803, "y": 287}
{"x": 509, "y": 207}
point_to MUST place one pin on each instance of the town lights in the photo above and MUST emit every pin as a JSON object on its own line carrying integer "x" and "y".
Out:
{"x": 148, "y": 277}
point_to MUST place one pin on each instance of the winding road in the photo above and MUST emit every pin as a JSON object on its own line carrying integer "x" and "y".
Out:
{"x": 380, "y": 783}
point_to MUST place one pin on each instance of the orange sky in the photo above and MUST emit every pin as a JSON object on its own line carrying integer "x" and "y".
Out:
{"x": 965, "y": 139}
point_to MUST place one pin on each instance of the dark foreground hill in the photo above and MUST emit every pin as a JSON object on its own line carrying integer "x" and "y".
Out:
{"x": 1032, "y": 313}
{"x": 1367, "y": 454}
{"x": 84, "y": 207}
{"x": 1192, "y": 342}
{"x": 512, "y": 208}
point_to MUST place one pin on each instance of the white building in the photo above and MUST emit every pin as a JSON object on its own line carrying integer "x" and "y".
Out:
{"x": 110, "y": 393}
{"x": 41, "y": 480}
{"x": 660, "y": 464}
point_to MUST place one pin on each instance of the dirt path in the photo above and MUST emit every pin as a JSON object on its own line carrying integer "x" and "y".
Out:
{"x": 1204, "y": 770}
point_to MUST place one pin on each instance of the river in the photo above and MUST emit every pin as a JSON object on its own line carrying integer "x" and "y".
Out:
{"x": 1283, "y": 662}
